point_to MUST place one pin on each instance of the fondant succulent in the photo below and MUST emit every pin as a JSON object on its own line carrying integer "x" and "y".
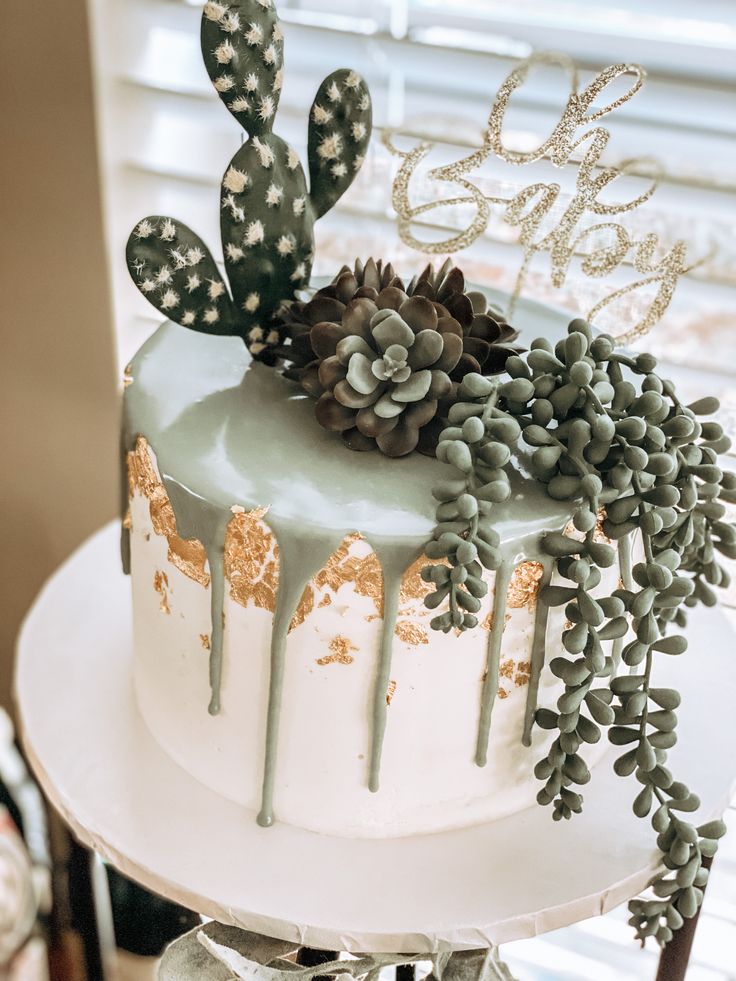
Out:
{"x": 267, "y": 212}
{"x": 381, "y": 370}
{"x": 299, "y": 316}
{"x": 487, "y": 339}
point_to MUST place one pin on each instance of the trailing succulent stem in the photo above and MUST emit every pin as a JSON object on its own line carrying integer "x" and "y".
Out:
{"x": 267, "y": 213}
{"x": 477, "y": 444}
{"x": 608, "y": 433}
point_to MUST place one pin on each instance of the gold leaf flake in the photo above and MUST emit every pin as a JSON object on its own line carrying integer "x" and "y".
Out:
{"x": 340, "y": 648}
{"x": 188, "y": 555}
{"x": 390, "y": 692}
{"x": 161, "y": 585}
{"x": 204, "y": 640}
{"x": 524, "y": 586}
{"x": 411, "y": 633}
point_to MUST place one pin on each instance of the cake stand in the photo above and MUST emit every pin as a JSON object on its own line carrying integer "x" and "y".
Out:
{"x": 468, "y": 889}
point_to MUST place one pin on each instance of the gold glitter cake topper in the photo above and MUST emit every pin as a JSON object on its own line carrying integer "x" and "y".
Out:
{"x": 530, "y": 207}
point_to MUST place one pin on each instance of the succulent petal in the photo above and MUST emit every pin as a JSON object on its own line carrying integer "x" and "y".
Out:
{"x": 402, "y": 439}
{"x": 401, "y": 375}
{"x": 414, "y": 388}
{"x": 386, "y": 408}
{"x": 389, "y": 328}
{"x": 333, "y": 416}
{"x": 350, "y": 345}
{"x": 419, "y": 313}
{"x": 426, "y": 350}
{"x": 397, "y": 352}
{"x": 371, "y": 424}
{"x": 360, "y": 374}
{"x": 347, "y": 395}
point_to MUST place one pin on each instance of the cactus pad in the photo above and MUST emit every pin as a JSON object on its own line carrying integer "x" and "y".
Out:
{"x": 340, "y": 124}
{"x": 267, "y": 213}
{"x": 243, "y": 51}
{"x": 173, "y": 269}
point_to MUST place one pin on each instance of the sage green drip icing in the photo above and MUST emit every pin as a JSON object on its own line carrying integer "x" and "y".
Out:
{"x": 393, "y": 566}
{"x": 538, "y": 652}
{"x": 495, "y": 637}
{"x": 124, "y": 501}
{"x": 301, "y": 555}
{"x": 197, "y": 518}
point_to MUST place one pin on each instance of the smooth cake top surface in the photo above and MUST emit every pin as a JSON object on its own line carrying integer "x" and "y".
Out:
{"x": 235, "y": 432}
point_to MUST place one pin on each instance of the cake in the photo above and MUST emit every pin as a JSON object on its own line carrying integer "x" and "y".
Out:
{"x": 273, "y": 567}
{"x": 393, "y": 572}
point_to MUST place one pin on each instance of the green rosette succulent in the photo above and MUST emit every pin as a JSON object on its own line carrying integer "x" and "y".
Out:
{"x": 487, "y": 338}
{"x": 382, "y": 371}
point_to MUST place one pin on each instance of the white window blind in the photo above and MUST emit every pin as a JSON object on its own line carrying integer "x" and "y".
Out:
{"x": 433, "y": 67}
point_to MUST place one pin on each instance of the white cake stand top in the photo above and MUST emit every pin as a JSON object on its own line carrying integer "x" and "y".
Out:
{"x": 485, "y": 885}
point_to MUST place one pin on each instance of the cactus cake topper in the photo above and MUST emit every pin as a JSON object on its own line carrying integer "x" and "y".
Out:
{"x": 267, "y": 212}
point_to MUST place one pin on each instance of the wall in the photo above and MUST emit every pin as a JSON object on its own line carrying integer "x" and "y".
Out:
{"x": 58, "y": 402}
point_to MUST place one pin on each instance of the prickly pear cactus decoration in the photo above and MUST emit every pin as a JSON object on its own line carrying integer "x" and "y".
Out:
{"x": 267, "y": 212}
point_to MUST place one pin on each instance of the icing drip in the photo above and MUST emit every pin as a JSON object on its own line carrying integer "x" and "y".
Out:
{"x": 393, "y": 565}
{"x": 490, "y": 681}
{"x": 197, "y": 518}
{"x": 539, "y": 643}
{"x": 302, "y": 555}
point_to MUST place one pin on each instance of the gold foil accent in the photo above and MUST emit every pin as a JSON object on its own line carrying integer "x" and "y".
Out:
{"x": 524, "y": 586}
{"x": 390, "y": 692}
{"x": 325, "y": 601}
{"x": 161, "y": 585}
{"x": 502, "y": 693}
{"x": 188, "y": 555}
{"x": 251, "y": 560}
{"x": 128, "y": 520}
{"x": 547, "y": 224}
{"x": 411, "y": 633}
{"x": 204, "y": 640}
{"x": 340, "y": 648}
{"x": 128, "y": 375}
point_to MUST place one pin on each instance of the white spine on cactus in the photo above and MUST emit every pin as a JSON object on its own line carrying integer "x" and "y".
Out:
{"x": 252, "y": 302}
{"x": 330, "y": 147}
{"x": 298, "y": 205}
{"x": 167, "y": 232}
{"x": 285, "y": 245}
{"x": 254, "y": 35}
{"x": 194, "y": 256}
{"x": 224, "y": 83}
{"x": 224, "y": 53}
{"x": 300, "y": 272}
{"x": 254, "y": 233}
{"x": 215, "y": 289}
{"x": 169, "y": 300}
{"x": 274, "y": 195}
{"x": 234, "y": 253}
{"x": 144, "y": 229}
{"x": 193, "y": 283}
{"x": 267, "y": 108}
{"x": 264, "y": 151}
{"x": 211, "y": 315}
{"x": 235, "y": 180}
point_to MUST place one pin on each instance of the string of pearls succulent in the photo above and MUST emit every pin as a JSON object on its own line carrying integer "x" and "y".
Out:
{"x": 608, "y": 433}
{"x": 477, "y": 444}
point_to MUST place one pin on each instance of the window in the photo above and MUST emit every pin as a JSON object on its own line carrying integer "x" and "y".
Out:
{"x": 433, "y": 67}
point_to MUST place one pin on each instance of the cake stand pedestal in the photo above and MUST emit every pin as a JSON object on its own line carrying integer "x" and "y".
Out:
{"x": 473, "y": 888}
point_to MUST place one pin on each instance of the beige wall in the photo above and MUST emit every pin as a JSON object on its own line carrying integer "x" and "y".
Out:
{"x": 58, "y": 404}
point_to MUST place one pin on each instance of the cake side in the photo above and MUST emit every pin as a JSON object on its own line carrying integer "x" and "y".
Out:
{"x": 311, "y": 640}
